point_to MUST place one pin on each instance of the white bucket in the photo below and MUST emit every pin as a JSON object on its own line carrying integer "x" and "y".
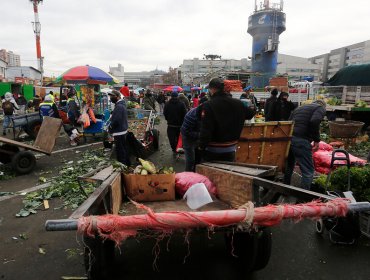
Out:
{"x": 197, "y": 196}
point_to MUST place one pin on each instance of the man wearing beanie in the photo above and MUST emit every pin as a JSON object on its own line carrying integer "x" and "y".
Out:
{"x": 222, "y": 121}
{"x": 174, "y": 111}
{"x": 307, "y": 121}
{"x": 270, "y": 104}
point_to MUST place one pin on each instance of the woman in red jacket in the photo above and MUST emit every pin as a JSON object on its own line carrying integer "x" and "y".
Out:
{"x": 195, "y": 101}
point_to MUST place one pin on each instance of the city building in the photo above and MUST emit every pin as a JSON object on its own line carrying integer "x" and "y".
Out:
{"x": 23, "y": 73}
{"x": 118, "y": 72}
{"x": 297, "y": 68}
{"x": 144, "y": 78}
{"x": 194, "y": 71}
{"x": 336, "y": 59}
{"x": 10, "y": 58}
{"x": 3, "y": 66}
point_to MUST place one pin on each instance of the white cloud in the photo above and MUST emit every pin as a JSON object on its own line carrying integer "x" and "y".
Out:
{"x": 144, "y": 34}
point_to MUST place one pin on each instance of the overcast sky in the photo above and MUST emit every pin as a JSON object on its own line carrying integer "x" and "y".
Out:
{"x": 142, "y": 35}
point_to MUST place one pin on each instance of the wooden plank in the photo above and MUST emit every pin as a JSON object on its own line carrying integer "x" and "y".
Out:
{"x": 128, "y": 208}
{"x": 21, "y": 145}
{"x": 289, "y": 190}
{"x": 116, "y": 195}
{"x": 103, "y": 174}
{"x": 49, "y": 131}
{"x": 246, "y": 169}
{"x": 157, "y": 187}
{"x": 267, "y": 144}
{"x": 232, "y": 188}
{"x": 94, "y": 199}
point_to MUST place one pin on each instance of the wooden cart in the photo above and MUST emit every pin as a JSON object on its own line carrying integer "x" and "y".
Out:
{"x": 236, "y": 185}
{"x": 19, "y": 154}
{"x": 265, "y": 143}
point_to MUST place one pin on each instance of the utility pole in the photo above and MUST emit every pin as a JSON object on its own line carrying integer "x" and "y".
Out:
{"x": 37, "y": 30}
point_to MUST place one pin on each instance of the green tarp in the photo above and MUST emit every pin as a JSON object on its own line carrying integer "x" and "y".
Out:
{"x": 354, "y": 75}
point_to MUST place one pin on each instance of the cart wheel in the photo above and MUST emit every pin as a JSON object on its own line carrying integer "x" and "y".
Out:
{"x": 33, "y": 128}
{"x": 5, "y": 157}
{"x": 155, "y": 133}
{"x": 244, "y": 247}
{"x": 23, "y": 162}
{"x": 320, "y": 228}
{"x": 98, "y": 258}
{"x": 264, "y": 248}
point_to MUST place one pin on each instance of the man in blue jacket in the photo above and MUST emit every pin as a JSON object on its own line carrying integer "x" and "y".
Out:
{"x": 118, "y": 127}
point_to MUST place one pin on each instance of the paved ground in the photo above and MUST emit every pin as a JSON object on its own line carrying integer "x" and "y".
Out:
{"x": 297, "y": 253}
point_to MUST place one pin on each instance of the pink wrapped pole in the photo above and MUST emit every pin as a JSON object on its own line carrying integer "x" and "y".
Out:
{"x": 120, "y": 227}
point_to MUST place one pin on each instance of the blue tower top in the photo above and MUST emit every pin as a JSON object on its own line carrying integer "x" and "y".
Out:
{"x": 265, "y": 25}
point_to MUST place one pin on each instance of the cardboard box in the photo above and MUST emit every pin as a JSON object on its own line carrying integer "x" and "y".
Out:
{"x": 158, "y": 187}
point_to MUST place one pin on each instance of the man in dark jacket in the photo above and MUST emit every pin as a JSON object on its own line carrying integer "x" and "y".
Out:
{"x": 223, "y": 119}
{"x": 73, "y": 111}
{"x": 190, "y": 137}
{"x": 269, "y": 106}
{"x": 118, "y": 127}
{"x": 307, "y": 121}
{"x": 283, "y": 108}
{"x": 174, "y": 111}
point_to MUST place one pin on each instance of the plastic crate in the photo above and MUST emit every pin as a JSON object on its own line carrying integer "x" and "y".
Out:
{"x": 365, "y": 223}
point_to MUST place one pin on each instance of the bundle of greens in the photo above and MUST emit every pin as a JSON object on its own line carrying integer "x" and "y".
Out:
{"x": 65, "y": 186}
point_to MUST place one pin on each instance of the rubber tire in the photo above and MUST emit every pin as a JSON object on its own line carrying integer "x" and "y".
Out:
{"x": 245, "y": 249}
{"x": 98, "y": 258}
{"x": 23, "y": 162}
{"x": 155, "y": 143}
{"x": 264, "y": 248}
{"x": 6, "y": 158}
{"x": 319, "y": 226}
{"x": 33, "y": 128}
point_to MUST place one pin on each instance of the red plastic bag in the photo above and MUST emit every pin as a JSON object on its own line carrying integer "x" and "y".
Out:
{"x": 179, "y": 147}
{"x": 185, "y": 180}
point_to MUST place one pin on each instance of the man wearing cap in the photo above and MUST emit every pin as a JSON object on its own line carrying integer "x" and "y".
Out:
{"x": 307, "y": 121}
{"x": 174, "y": 112}
{"x": 222, "y": 121}
{"x": 118, "y": 127}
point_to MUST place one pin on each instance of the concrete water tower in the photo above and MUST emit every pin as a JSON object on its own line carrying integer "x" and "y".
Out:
{"x": 265, "y": 25}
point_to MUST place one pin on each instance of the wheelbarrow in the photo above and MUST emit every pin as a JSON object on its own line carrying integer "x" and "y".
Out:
{"x": 20, "y": 155}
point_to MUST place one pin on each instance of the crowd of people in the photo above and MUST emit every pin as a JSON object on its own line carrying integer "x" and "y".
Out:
{"x": 209, "y": 125}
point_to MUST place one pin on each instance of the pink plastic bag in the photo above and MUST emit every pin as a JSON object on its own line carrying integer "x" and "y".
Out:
{"x": 185, "y": 180}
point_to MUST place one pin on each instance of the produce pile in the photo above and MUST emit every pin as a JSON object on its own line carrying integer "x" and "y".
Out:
{"x": 233, "y": 85}
{"x": 334, "y": 101}
{"x": 360, "y": 149}
{"x": 138, "y": 127}
{"x": 145, "y": 168}
{"x": 360, "y": 181}
{"x": 132, "y": 105}
{"x": 360, "y": 104}
{"x": 65, "y": 185}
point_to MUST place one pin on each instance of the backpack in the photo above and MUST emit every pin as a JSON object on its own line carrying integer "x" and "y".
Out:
{"x": 8, "y": 108}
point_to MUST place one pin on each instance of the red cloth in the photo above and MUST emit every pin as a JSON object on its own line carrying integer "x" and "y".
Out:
{"x": 179, "y": 147}
{"x": 195, "y": 102}
{"x": 125, "y": 91}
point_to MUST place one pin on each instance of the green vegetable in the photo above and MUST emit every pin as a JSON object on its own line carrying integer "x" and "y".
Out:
{"x": 334, "y": 101}
{"x": 360, "y": 104}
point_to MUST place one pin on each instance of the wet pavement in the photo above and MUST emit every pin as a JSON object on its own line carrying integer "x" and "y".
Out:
{"x": 297, "y": 251}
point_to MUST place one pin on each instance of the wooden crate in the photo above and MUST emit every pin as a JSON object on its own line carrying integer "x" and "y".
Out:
{"x": 265, "y": 143}
{"x": 233, "y": 188}
{"x": 158, "y": 187}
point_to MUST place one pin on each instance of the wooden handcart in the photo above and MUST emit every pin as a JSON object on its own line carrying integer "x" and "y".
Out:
{"x": 19, "y": 154}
